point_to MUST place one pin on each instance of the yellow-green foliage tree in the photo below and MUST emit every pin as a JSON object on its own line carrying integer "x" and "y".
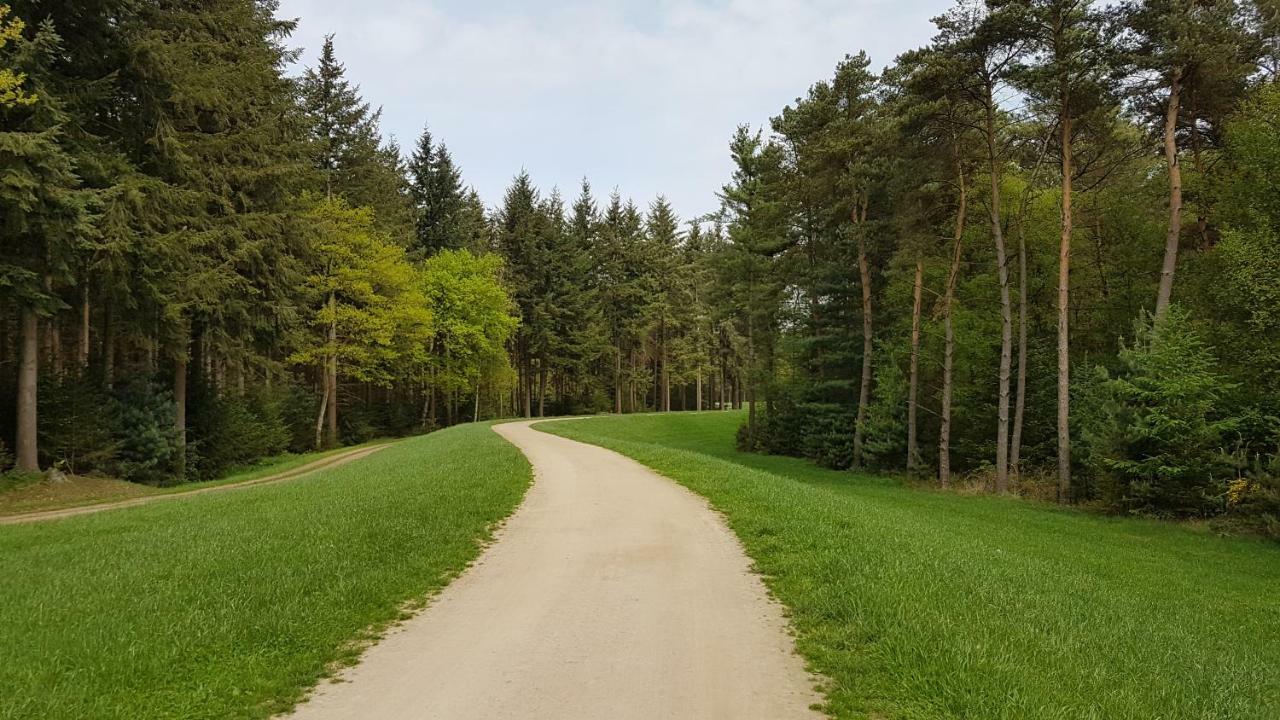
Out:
{"x": 11, "y": 81}
{"x": 366, "y": 313}
{"x": 473, "y": 319}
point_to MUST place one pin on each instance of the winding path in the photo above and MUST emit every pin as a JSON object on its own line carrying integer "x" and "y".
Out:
{"x": 612, "y": 593}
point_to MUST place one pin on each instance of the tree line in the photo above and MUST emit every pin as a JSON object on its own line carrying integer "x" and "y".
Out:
{"x": 1039, "y": 252}
{"x": 1037, "y": 255}
{"x": 209, "y": 261}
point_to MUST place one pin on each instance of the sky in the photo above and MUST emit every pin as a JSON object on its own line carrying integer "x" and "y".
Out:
{"x": 638, "y": 96}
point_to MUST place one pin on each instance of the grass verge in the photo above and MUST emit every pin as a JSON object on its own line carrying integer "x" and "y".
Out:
{"x": 924, "y": 605}
{"x": 231, "y": 605}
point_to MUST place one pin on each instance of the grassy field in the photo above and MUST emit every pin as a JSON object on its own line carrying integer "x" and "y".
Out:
{"x": 229, "y": 605}
{"x": 919, "y": 604}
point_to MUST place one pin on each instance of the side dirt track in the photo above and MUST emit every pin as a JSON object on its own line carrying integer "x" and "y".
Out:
{"x": 324, "y": 463}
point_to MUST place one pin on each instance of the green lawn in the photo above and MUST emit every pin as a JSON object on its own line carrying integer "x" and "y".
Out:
{"x": 921, "y": 604}
{"x": 229, "y": 605}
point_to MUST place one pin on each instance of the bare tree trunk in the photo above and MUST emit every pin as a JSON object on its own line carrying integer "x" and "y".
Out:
{"x": 697, "y": 402}
{"x": 913, "y": 445}
{"x": 27, "y": 450}
{"x": 332, "y": 410}
{"x": 864, "y": 390}
{"x": 475, "y": 412}
{"x": 1006, "y": 305}
{"x": 527, "y": 391}
{"x": 324, "y": 404}
{"x": 180, "y": 408}
{"x": 1020, "y": 404}
{"x": 666, "y": 376}
{"x": 1174, "y": 233}
{"x": 617, "y": 381}
{"x": 108, "y": 347}
{"x": 542, "y": 387}
{"x": 948, "y": 355}
{"x": 1064, "y": 307}
{"x": 84, "y": 328}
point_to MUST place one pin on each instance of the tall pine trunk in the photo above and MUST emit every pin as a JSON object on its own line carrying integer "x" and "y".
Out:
{"x": 1020, "y": 404}
{"x": 913, "y": 383}
{"x": 180, "y": 408}
{"x": 27, "y": 450}
{"x": 1174, "y": 233}
{"x": 332, "y": 410}
{"x": 108, "y": 347}
{"x": 324, "y": 404}
{"x": 864, "y": 388}
{"x": 617, "y": 381}
{"x": 542, "y": 387}
{"x": 1064, "y": 306}
{"x": 948, "y": 355}
{"x": 1006, "y": 305}
{"x": 84, "y": 328}
{"x": 666, "y": 376}
{"x": 697, "y": 401}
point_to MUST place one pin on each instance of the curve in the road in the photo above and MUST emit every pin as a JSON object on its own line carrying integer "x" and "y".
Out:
{"x": 612, "y": 592}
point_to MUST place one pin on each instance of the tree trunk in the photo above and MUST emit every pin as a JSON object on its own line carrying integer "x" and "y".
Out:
{"x": 1174, "y": 233}
{"x": 1019, "y": 411}
{"x": 1006, "y": 305}
{"x": 108, "y": 347}
{"x": 666, "y": 376}
{"x": 697, "y": 397}
{"x": 324, "y": 404}
{"x": 180, "y": 409}
{"x": 864, "y": 390}
{"x": 913, "y": 445}
{"x": 27, "y": 450}
{"x": 1064, "y": 306}
{"x": 542, "y": 388}
{"x": 617, "y": 381}
{"x": 526, "y": 373}
{"x": 944, "y": 434}
{"x": 475, "y": 412}
{"x": 84, "y": 328}
{"x": 332, "y": 410}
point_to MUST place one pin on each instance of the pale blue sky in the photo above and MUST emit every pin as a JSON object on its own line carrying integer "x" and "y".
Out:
{"x": 639, "y": 95}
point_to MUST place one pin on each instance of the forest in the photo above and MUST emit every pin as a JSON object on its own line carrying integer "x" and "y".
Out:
{"x": 1040, "y": 255}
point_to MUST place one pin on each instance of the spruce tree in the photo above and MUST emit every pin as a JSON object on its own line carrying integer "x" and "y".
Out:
{"x": 45, "y": 214}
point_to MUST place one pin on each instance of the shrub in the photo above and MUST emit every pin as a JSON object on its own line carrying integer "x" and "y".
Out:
{"x": 148, "y": 442}
{"x": 230, "y": 431}
{"x": 1154, "y": 436}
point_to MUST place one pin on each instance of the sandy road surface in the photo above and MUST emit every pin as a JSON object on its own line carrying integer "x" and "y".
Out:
{"x": 324, "y": 463}
{"x": 612, "y": 594}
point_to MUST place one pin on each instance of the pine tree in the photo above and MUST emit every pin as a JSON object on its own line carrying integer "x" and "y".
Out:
{"x": 347, "y": 147}
{"x": 45, "y": 214}
{"x": 439, "y": 198}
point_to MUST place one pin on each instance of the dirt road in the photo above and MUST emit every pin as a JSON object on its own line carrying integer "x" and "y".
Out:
{"x": 611, "y": 593}
{"x": 324, "y": 463}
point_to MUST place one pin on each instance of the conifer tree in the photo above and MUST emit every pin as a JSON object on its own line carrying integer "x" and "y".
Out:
{"x": 45, "y": 214}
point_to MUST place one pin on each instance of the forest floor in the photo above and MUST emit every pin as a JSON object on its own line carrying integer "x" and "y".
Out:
{"x": 920, "y": 604}
{"x": 611, "y": 593}
{"x": 42, "y": 499}
{"x": 234, "y": 604}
